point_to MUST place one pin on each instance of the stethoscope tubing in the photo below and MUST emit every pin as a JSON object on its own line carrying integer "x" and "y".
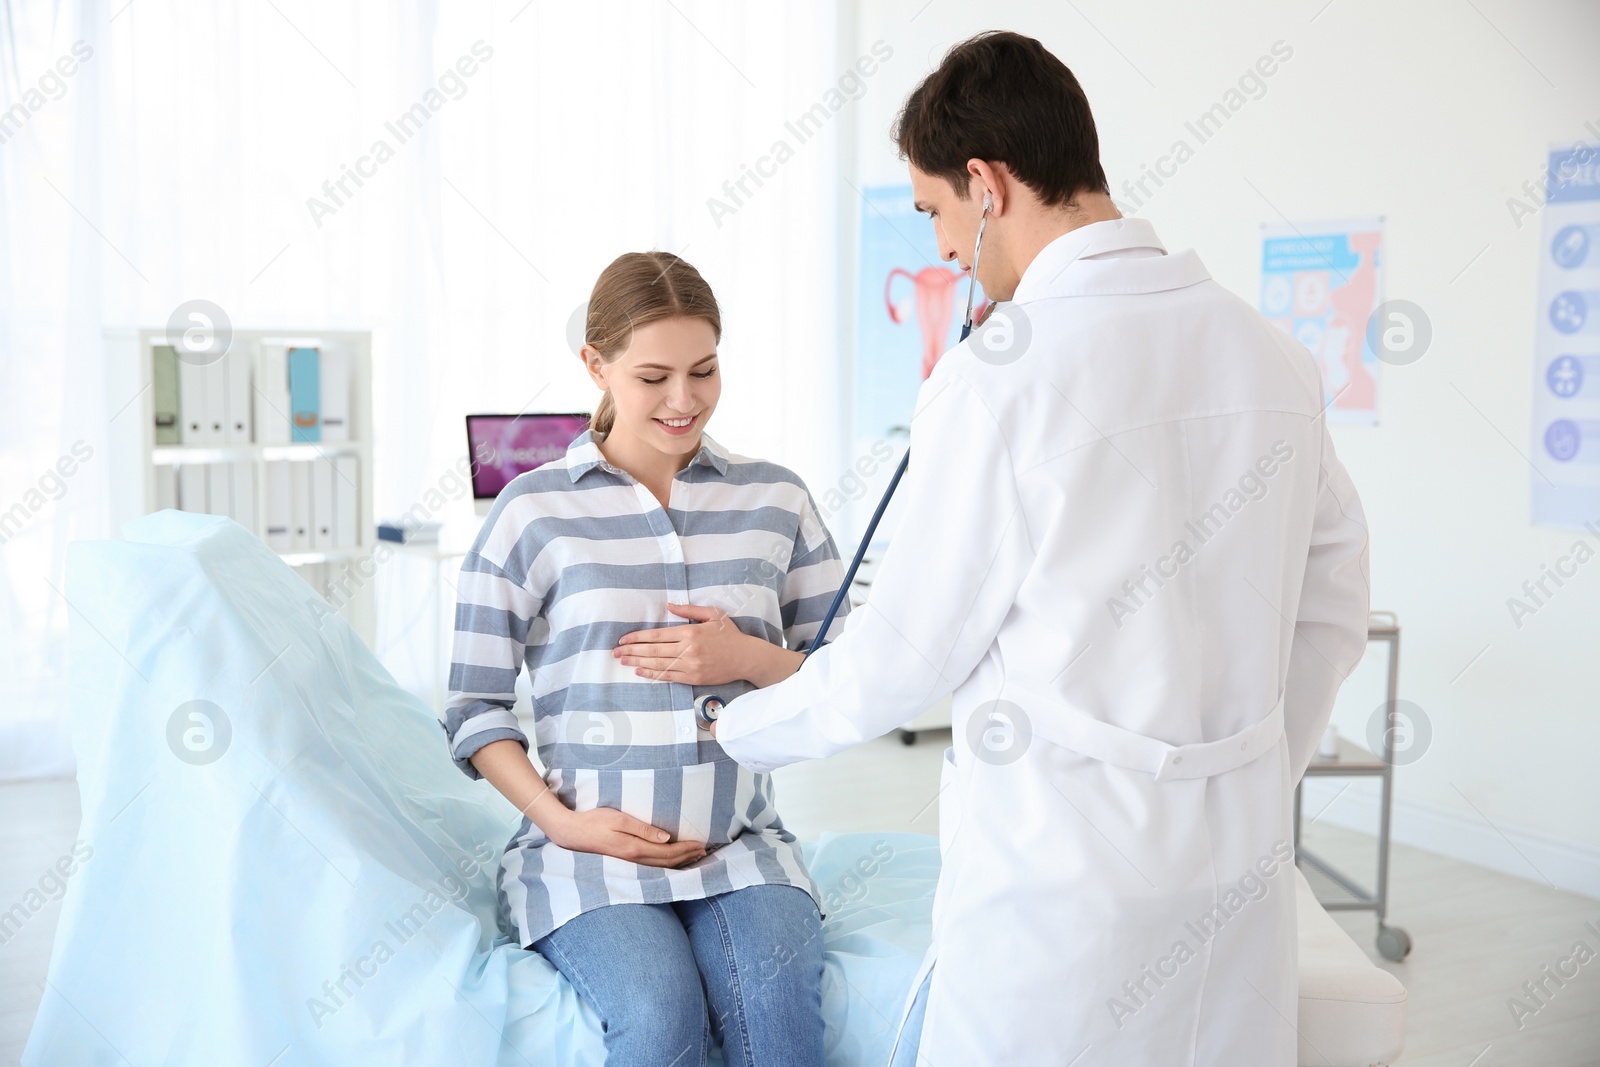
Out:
{"x": 707, "y": 707}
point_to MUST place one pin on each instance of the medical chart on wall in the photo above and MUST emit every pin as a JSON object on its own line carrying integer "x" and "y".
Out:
{"x": 909, "y": 305}
{"x": 1566, "y": 351}
{"x": 908, "y": 311}
{"x": 1320, "y": 283}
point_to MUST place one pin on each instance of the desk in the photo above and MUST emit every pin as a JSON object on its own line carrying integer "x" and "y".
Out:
{"x": 440, "y": 554}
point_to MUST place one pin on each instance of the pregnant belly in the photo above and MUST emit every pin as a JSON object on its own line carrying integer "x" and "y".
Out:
{"x": 707, "y": 802}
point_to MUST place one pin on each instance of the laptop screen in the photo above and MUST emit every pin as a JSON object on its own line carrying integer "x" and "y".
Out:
{"x": 504, "y": 446}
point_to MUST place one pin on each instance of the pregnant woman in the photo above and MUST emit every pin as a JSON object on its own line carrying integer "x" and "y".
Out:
{"x": 645, "y": 567}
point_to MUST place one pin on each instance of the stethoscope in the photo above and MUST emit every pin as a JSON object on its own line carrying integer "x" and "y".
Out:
{"x": 707, "y": 707}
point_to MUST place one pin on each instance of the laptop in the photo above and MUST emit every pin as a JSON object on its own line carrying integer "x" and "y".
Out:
{"x": 504, "y": 446}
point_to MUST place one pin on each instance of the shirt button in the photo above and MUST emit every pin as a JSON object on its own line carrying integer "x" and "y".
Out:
{"x": 1177, "y": 759}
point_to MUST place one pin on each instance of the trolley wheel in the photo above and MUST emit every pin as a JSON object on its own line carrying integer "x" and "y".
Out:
{"x": 1394, "y": 944}
{"x": 908, "y": 737}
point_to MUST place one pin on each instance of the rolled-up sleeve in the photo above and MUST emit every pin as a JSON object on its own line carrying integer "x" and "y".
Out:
{"x": 494, "y": 612}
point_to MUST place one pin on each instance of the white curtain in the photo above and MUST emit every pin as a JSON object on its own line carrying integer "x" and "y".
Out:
{"x": 205, "y": 151}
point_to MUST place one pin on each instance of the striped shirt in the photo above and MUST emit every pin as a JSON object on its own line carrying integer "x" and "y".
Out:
{"x": 572, "y": 556}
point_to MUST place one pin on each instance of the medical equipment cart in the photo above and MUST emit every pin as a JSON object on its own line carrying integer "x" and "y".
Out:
{"x": 1336, "y": 891}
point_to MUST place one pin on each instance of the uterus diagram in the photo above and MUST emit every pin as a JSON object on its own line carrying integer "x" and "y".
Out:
{"x": 934, "y": 296}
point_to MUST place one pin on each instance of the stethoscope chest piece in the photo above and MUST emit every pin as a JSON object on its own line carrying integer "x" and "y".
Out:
{"x": 706, "y": 709}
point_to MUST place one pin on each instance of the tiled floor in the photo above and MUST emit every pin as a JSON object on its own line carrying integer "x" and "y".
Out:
{"x": 1477, "y": 935}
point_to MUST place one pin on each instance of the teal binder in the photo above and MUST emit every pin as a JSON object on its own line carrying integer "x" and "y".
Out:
{"x": 164, "y": 375}
{"x": 305, "y": 395}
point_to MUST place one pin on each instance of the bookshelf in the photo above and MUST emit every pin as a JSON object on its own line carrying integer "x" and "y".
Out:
{"x": 330, "y": 537}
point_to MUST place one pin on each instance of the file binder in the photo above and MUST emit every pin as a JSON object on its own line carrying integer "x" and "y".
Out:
{"x": 335, "y": 383}
{"x": 280, "y": 513}
{"x": 166, "y": 487}
{"x": 305, "y": 403}
{"x": 244, "y": 494}
{"x": 299, "y": 507}
{"x": 219, "y": 489}
{"x": 237, "y": 422}
{"x": 275, "y": 418}
{"x": 321, "y": 505}
{"x": 164, "y": 386}
{"x": 346, "y": 502}
{"x": 193, "y": 397}
{"x": 192, "y": 487}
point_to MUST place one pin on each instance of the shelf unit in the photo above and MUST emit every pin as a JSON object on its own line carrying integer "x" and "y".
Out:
{"x": 137, "y": 459}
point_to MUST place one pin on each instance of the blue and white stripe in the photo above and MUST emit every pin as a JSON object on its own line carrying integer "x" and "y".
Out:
{"x": 574, "y": 555}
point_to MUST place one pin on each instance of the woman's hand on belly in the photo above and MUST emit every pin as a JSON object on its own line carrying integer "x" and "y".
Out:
{"x": 610, "y": 832}
{"x": 710, "y": 651}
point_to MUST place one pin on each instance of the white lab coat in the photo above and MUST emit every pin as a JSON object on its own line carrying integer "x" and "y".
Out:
{"x": 1116, "y": 894}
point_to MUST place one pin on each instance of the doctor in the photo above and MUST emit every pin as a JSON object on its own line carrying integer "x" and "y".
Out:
{"x": 1130, "y": 554}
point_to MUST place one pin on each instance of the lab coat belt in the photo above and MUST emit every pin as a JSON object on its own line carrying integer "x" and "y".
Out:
{"x": 1061, "y": 724}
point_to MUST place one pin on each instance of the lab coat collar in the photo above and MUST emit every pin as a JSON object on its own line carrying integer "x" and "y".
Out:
{"x": 584, "y": 455}
{"x": 1062, "y": 267}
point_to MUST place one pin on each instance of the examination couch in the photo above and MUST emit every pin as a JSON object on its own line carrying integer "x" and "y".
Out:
{"x": 279, "y": 864}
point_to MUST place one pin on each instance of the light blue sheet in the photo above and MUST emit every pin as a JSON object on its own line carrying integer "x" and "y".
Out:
{"x": 222, "y": 901}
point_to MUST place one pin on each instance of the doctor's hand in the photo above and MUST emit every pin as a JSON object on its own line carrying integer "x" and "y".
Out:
{"x": 610, "y": 832}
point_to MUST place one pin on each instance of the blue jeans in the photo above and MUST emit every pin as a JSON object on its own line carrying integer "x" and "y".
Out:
{"x": 744, "y": 967}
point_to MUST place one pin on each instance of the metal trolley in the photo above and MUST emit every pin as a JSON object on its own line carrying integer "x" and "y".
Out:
{"x": 1336, "y": 891}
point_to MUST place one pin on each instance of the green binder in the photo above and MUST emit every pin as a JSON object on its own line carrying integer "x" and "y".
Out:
{"x": 169, "y": 428}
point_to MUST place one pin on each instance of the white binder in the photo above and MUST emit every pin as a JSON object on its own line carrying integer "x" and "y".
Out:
{"x": 299, "y": 506}
{"x": 194, "y": 398}
{"x": 166, "y": 486}
{"x": 216, "y": 409}
{"x": 346, "y": 502}
{"x": 192, "y": 487}
{"x": 237, "y": 428}
{"x": 280, "y": 513}
{"x": 219, "y": 488}
{"x": 321, "y": 505}
{"x": 244, "y": 494}
{"x": 334, "y": 383}
{"x": 274, "y": 386}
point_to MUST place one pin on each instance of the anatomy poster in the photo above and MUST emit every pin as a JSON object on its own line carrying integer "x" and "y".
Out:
{"x": 1320, "y": 284}
{"x": 909, "y": 305}
{"x": 1566, "y": 352}
{"x": 908, "y": 312}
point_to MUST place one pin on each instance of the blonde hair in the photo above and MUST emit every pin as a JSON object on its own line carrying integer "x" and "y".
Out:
{"x": 639, "y": 288}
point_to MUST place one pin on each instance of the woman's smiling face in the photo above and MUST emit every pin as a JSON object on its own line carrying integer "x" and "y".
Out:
{"x": 665, "y": 384}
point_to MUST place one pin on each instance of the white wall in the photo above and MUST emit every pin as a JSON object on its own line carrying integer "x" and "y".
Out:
{"x": 1430, "y": 114}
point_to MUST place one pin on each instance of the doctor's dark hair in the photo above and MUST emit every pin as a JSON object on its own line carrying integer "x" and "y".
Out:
{"x": 636, "y": 289}
{"x": 1003, "y": 98}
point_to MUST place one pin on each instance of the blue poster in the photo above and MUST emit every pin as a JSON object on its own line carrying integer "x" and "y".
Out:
{"x": 1566, "y": 354}
{"x": 1320, "y": 284}
{"x": 909, "y": 305}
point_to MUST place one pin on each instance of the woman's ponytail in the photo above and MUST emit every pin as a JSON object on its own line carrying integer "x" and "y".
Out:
{"x": 604, "y": 415}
